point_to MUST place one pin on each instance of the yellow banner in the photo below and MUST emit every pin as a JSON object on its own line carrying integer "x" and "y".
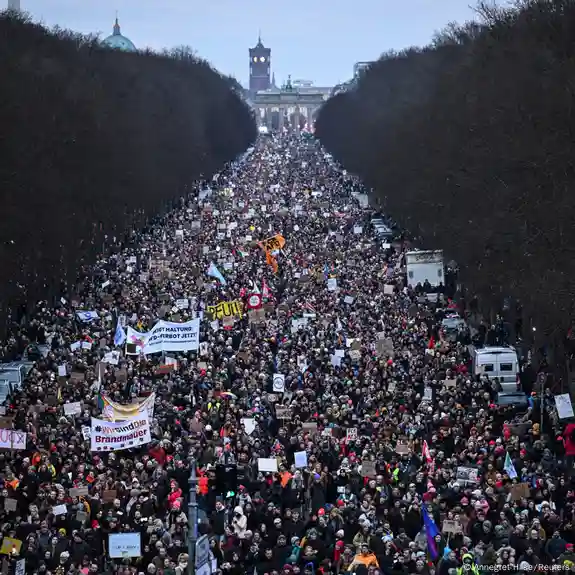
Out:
{"x": 226, "y": 309}
{"x": 114, "y": 411}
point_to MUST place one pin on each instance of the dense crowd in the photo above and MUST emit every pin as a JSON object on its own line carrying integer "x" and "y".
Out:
{"x": 360, "y": 440}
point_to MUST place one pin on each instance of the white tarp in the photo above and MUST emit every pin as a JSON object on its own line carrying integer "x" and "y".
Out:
{"x": 116, "y": 435}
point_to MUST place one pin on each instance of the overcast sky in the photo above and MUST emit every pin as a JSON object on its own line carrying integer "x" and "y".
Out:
{"x": 310, "y": 39}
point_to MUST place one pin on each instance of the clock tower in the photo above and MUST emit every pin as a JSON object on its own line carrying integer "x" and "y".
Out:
{"x": 260, "y": 71}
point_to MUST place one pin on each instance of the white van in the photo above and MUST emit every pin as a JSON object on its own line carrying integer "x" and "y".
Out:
{"x": 500, "y": 362}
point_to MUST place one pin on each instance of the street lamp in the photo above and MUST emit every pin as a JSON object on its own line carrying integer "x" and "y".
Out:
{"x": 192, "y": 518}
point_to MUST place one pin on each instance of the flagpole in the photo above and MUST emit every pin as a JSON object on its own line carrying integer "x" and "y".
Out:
{"x": 192, "y": 518}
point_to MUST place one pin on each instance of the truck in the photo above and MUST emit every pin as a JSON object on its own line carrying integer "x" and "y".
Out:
{"x": 424, "y": 265}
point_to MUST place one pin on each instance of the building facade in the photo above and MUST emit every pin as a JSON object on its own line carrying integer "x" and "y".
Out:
{"x": 286, "y": 108}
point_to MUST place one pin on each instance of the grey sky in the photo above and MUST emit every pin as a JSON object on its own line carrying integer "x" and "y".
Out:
{"x": 310, "y": 39}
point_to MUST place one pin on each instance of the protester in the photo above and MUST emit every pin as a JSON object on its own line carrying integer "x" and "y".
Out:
{"x": 372, "y": 450}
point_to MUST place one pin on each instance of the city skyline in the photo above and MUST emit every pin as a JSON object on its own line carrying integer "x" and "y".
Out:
{"x": 307, "y": 40}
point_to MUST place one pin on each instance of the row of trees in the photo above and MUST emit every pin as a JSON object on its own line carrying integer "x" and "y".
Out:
{"x": 468, "y": 144}
{"x": 93, "y": 141}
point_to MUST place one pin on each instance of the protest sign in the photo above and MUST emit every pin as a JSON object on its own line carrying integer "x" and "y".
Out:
{"x": 12, "y": 439}
{"x": 10, "y": 546}
{"x": 122, "y": 545}
{"x": 467, "y": 475}
{"x": 74, "y": 408}
{"x": 268, "y": 464}
{"x": 520, "y": 491}
{"x": 113, "y": 436}
{"x": 79, "y": 491}
{"x": 279, "y": 382}
{"x": 368, "y": 469}
{"x": 452, "y": 527}
{"x": 226, "y": 309}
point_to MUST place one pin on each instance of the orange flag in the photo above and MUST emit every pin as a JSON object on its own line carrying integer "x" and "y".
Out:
{"x": 272, "y": 261}
{"x": 276, "y": 242}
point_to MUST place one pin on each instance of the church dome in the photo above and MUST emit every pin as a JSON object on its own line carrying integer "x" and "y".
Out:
{"x": 117, "y": 41}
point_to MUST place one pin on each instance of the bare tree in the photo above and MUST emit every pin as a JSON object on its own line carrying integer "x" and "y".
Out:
{"x": 470, "y": 138}
{"x": 95, "y": 142}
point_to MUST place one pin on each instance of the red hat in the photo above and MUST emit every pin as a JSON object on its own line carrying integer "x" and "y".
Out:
{"x": 95, "y": 524}
{"x": 321, "y": 512}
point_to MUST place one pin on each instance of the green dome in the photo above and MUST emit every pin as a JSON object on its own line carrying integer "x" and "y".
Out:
{"x": 118, "y": 42}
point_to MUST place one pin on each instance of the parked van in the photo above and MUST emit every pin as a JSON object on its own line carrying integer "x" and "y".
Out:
{"x": 453, "y": 326}
{"x": 381, "y": 228}
{"x": 500, "y": 362}
{"x": 15, "y": 372}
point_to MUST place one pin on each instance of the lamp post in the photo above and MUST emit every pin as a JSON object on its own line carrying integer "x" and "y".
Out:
{"x": 192, "y": 518}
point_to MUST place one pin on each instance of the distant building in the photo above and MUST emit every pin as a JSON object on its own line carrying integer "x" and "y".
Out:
{"x": 360, "y": 67}
{"x": 14, "y": 5}
{"x": 260, "y": 68}
{"x": 117, "y": 41}
{"x": 262, "y": 79}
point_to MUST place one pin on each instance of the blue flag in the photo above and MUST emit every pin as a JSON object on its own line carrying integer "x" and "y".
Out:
{"x": 87, "y": 316}
{"x": 119, "y": 336}
{"x": 214, "y": 272}
{"x": 431, "y": 531}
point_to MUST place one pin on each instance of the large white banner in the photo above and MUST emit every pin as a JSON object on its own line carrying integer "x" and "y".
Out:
{"x": 171, "y": 336}
{"x": 117, "y": 435}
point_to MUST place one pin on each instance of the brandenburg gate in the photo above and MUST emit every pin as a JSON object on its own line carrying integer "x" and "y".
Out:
{"x": 286, "y": 108}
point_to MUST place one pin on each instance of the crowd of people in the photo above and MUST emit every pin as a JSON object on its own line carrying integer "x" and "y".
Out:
{"x": 352, "y": 435}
